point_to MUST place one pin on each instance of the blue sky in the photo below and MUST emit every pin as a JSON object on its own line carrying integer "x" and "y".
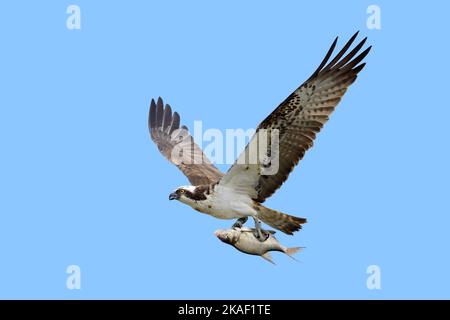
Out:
{"x": 82, "y": 184}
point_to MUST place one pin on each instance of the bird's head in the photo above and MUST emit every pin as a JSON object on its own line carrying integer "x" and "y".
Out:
{"x": 185, "y": 194}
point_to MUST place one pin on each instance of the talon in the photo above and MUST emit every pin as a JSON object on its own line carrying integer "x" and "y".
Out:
{"x": 260, "y": 234}
{"x": 264, "y": 235}
{"x": 239, "y": 223}
{"x": 261, "y": 237}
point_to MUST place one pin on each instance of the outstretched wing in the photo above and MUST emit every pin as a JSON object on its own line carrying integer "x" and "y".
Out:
{"x": 298, "y": 119}
{"x": 178, "y": 146}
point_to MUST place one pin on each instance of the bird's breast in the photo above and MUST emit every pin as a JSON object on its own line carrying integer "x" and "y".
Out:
{"x": 224, "y": 205}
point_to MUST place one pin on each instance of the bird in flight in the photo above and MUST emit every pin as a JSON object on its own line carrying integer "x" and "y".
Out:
{"x": 240, "y": 192}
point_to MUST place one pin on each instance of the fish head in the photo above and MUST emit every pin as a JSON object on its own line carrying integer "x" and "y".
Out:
{"x": 229, "y": 236}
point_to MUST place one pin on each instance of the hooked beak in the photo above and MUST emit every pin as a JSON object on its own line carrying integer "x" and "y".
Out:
{"x": 174, "y": 196}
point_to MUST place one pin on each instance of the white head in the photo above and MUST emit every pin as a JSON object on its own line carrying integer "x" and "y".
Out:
{"x": 185, "y": 194}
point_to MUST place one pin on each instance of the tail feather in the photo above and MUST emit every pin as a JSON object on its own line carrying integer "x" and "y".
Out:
{"x": 280, "y": 221}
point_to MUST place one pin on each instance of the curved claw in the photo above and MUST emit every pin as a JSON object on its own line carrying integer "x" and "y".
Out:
{"x": 262, "y": 235}
{"x": 239, "y": 223}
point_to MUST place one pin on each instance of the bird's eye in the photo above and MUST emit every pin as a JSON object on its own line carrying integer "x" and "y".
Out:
{"x": 182, "y": 191}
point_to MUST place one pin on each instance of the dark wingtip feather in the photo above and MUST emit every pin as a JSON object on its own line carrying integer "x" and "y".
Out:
{"x": 327, "y": 57}
{"x": 159, "y": 117}
{"x": 152, "y": 115}
{"x": 340, "y": 53}
{"x": 167, "y": 119}
{"x": 159, "y": 113}
{"x": 350, "y": 55}
{"x": 335, "y": 41}
{"x": 357, "y": 60}
{"x": 359, "y": 68}
{"x": 175, "y": 122}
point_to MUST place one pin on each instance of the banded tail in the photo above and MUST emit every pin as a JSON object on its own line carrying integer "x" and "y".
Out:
{"x": 280, "y": 221}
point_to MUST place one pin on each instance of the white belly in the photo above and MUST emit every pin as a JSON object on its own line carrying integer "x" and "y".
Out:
{"x": 223, "y": 203}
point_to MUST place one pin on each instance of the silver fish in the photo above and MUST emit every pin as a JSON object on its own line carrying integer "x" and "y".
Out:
{"x": 244, "y": 240}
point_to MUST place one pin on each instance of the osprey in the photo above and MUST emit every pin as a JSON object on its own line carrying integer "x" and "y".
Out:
{"x": 240, "y": 192}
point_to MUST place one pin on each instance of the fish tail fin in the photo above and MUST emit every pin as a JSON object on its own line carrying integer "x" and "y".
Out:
{"x": 267, "y": 256}
{"x": 280, "y": 221}
{"x": 291, "y": 251}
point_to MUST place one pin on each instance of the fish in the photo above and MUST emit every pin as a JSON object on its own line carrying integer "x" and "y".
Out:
{"x": 244, "y": 240}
